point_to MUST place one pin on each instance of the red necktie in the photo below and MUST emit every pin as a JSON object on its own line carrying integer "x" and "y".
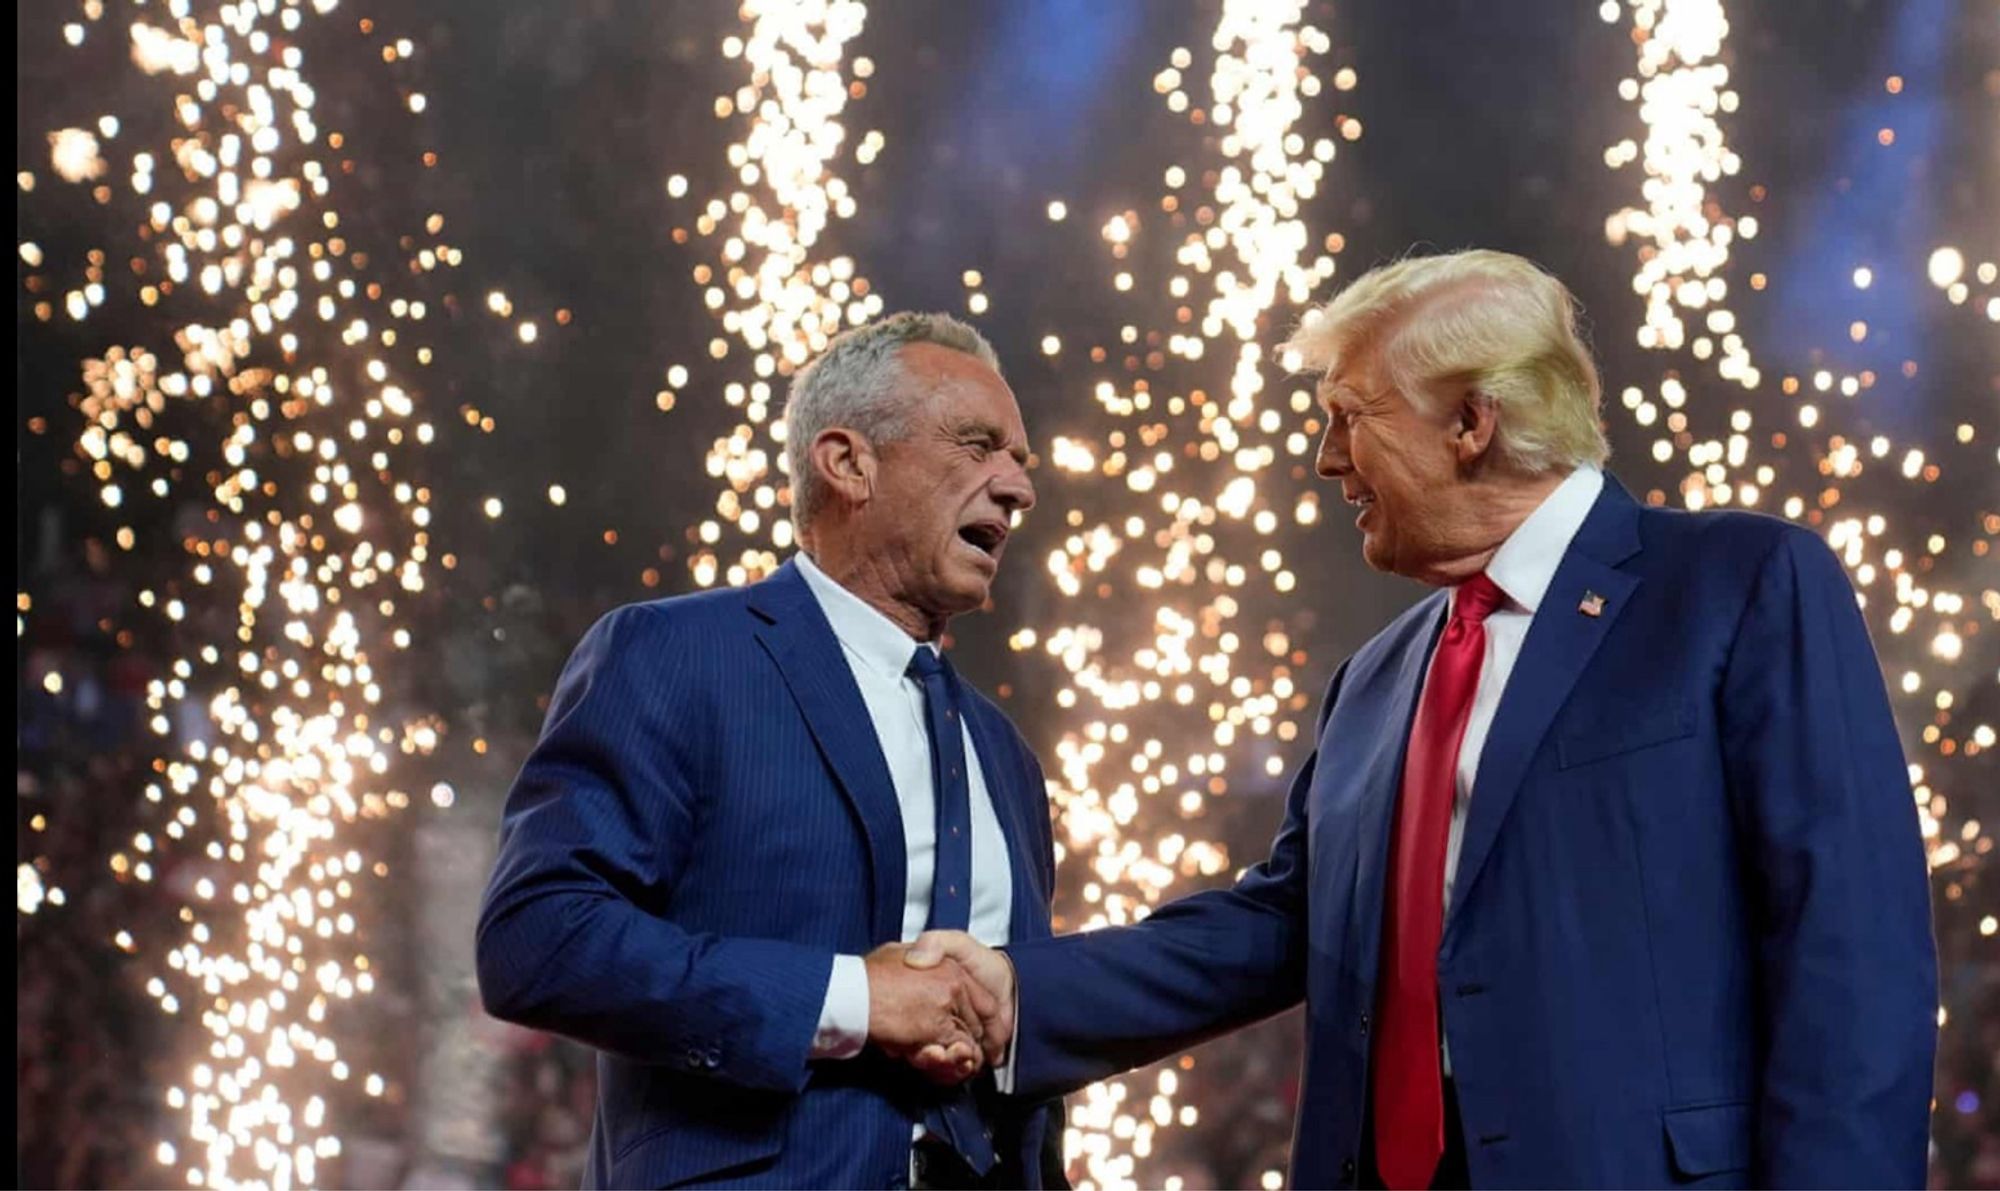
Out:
{"x": 1407, "y": 1085}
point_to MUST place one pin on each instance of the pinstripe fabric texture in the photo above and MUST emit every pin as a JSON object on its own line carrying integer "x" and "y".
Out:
{"x": 706, "y": 821}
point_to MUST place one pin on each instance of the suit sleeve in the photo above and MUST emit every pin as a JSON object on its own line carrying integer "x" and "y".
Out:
{"x": 573, "y": 935}
{"x": 1848, "y": 969}
{"x": 1095, "y": 1004}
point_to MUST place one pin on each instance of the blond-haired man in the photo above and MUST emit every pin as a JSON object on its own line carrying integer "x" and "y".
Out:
{"x": 1605, "y": 871}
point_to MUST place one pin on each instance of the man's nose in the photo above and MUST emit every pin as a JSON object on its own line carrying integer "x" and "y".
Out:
{"x": 1332, "y": 462}
{"x": 1014, "y": 491}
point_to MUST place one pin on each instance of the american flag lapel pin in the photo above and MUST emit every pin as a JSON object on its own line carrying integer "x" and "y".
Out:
{"x": 1592, "y": 605}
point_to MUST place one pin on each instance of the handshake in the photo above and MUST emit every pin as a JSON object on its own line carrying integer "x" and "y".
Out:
{"x": 943, "y": 1004}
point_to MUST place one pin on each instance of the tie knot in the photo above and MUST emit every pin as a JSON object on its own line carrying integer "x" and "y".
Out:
{"x": 925, "y": 664}
{"x": 1477, "y": 598}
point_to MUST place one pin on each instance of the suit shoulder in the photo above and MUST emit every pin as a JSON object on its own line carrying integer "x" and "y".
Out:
{"x": 696, "y": 630}
{"x": 1738, "y": 529}
{"x": 1749, "y": 538}
{"x": 701, "y": 611}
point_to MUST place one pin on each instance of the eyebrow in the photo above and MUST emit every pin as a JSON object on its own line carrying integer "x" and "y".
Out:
{"x": 1333, "y": 393}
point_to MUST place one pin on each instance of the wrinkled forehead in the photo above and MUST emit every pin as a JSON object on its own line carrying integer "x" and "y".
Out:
{"x": 977, "y": 401}
{"x": 1351, "y": 375}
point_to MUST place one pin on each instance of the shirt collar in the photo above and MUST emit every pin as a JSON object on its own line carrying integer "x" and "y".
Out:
{"x": 870, "y": 636}
{"x": 1526, "y": 562}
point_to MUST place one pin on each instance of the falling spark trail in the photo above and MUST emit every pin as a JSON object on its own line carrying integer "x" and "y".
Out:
{"x": 273, "y": 424}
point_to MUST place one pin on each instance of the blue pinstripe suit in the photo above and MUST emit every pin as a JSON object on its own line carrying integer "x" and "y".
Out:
{"x": 706, "y": 821}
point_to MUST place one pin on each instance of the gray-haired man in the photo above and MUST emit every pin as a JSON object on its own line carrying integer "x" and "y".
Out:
{"x": 746, "y": 802}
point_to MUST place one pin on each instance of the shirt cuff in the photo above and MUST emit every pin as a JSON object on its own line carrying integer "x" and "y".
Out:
{"x": 843, "y": 1017}
{"x": 1003, "y": 1071}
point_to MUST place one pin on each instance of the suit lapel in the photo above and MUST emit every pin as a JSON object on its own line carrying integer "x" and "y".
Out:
{"x": 1006, "y": 786}
{"x": 1560, "y": 642}
{"x": 801, "y": 642}
{"x": 1384, "y": 779}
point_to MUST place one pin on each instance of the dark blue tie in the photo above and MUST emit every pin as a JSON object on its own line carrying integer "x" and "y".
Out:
{"x": 956, "y": 1118}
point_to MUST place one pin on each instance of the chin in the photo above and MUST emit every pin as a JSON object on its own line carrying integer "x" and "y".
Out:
{"x": 966, "y": 590}
{"x": 969, "y": 596}
{"x": 1388, "y": 562}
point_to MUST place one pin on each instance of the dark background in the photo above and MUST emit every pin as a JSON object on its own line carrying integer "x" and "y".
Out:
{"x": 555, "y": 127}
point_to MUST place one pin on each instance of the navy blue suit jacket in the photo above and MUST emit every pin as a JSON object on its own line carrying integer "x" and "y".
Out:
{"x": 1690, "y": 938}
{"x": 706, "y": 821}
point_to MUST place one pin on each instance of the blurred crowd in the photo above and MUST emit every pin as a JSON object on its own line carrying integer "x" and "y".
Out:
{"x": 86, "y": 1053}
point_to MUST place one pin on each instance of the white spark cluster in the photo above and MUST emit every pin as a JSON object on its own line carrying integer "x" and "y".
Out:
{"x": 281, "y": 411}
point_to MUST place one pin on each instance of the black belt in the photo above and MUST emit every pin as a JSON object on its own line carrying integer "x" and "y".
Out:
{"x": 935, "y": 1166}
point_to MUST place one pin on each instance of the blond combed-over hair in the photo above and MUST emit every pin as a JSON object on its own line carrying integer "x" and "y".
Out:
{"x": 1473, "y": 321}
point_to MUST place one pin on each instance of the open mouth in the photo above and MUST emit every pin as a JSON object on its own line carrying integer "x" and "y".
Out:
{"x": 1363, "y": 501}
{"x": 987, "y": 537}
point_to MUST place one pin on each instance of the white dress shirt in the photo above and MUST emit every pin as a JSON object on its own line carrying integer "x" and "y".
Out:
{"x": 1523, "y": 568}
{"x": 878, "y": 652}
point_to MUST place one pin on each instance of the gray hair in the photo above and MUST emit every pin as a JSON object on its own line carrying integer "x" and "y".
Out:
{"x": 859, "y": 383}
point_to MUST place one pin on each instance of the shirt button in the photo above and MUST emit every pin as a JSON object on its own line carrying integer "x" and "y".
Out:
{"x": 954, "y": 833}
{"x": 952, "y": 890}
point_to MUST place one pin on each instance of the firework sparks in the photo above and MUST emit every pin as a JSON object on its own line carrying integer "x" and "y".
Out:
{"x": 1681, "y": 89}
{"x": 1246, "y": 248}
{"x": 1162, "y": 709}
{"x": 1948, "y": 271}
{"x": 294, "y": 575}
{"x": 776, "y": 297}
{"x": 1901, "y": 573}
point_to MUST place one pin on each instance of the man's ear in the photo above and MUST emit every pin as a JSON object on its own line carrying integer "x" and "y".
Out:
{"x": 846, "y": 463}
{"x": 1478, "y": 421}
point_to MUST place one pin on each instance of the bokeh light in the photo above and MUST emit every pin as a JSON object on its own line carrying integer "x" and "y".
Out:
{"x": 1177, "y": 482}
{"x": 258, "y": 450}
{"x": 285, "y": 409}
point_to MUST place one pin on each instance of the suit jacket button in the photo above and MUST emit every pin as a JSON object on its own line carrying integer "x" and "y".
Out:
{"x": 1347, "y": 1171}
{"x": 1364, "y": 1023}
{"x": 694, "y": 1058}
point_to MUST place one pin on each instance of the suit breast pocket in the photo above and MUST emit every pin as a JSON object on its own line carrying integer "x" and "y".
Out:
{"x": 1614, "y": 728}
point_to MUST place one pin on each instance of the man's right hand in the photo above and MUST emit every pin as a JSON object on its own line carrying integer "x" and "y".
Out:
{"x": 989, "y": 968}
{"x": 933, "y": 1017}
